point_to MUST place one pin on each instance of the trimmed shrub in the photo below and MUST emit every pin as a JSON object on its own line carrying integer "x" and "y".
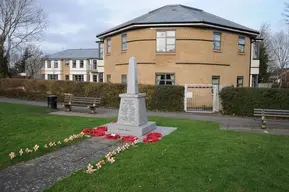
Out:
{"x": 159, "y": 98}
{"x": 242, "y": 101}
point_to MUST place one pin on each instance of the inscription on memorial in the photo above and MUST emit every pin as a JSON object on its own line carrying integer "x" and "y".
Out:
{"x": 128, "y": 111}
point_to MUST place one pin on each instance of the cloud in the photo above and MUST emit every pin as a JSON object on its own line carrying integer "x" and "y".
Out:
{"x": 74, "y": 24}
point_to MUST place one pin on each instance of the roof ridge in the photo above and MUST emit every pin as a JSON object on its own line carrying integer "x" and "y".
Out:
{"x": 192, "y": 8}
{"x": 81, "y": 49}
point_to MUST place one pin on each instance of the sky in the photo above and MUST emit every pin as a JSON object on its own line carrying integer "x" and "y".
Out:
{"x": 74, "y": 24}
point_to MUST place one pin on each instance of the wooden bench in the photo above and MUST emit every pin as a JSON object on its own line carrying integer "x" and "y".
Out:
{"x": 275, "y": 113}
{"x": 89, "y": 102}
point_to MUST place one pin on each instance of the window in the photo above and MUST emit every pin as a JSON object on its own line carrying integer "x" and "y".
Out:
{"x": 108, "y": 47}
{"x": 123, "y": 79}
{"x": 55, "y": 64}
{"x": 240, "y": 81}
{"x": 256, "y": 50}
{"x": 216, "y": 80}
{"x": 94, "y": 78}
{"x": 123, "y": 42}
{"x": 108, "y": 78}
{"x": 67, "y": 77}
{"x": 52, "y": 77}
{"x": 48, "y": 64}
{"x": 100, "y": 50}
{"x": 241, "y": 44}
{"x": 165, "y": 79}
{"x": 166, "y": 41}
{"x": 81, "y": 64}
{"x": 217, "y": 41}
{"x": 100, "y": 76}
{"x": 94, "y": 64}
{"x": 255, "y": 80}
{"x": 74, "y": 64}
{"x": 78, "y": 77}
{"x": 66, "y": 63}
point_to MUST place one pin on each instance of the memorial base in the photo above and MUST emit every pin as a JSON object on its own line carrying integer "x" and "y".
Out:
{"x": 126, "y": 130}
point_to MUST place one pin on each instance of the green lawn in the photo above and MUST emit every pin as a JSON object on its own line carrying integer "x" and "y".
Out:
{"x": 196, "y": 157}
{"x": 23, "y": 126}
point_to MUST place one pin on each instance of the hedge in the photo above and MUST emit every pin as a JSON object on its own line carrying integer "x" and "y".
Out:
{"x": 159, "y": 98}
{"x": 242, "y": 101}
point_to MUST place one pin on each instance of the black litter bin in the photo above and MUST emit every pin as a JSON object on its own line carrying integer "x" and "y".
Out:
{"x": 52, "y": 101}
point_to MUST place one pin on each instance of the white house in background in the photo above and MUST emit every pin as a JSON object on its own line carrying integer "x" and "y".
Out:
{"x": 255, "y": 62}
{"x": 75, "y": 65}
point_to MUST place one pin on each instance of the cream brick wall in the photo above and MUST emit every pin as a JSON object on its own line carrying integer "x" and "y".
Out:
{"x": 143, "y": 47}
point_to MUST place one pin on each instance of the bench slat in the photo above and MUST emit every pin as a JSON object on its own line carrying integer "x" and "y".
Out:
{"x": 271, "y": 110}
{"x": 272, "y": 115}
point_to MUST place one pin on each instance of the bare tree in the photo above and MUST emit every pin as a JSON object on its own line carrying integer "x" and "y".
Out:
{"x": 280, "y": 51}
{"x": 286, "y": 12}
{"x": 34, "y": 63}
{"x": 22, "y": 21}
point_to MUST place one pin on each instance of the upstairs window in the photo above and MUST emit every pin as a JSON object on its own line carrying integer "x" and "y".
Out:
{"x": 66, "y": 63}
{"x": 217, "y": 41}
{"x": 74, "y": 64}
{"x": 241, "y": 44}
{"x": 67, "y": 77}
{"x": 94, "y": 64}
{"x": 166, "y": 41}
{"x": 100, "y": 50}
{"x": 108, "y": 47}
{"x": 240, "y": 81}
{"x": 48, "y": 64}
{"x": 165, "y": 79}
{"x": 81, "y": 64}
{"x": 256, "y": 50}
{"x": 123, "y": 42}
{"x": 55, "y": 64}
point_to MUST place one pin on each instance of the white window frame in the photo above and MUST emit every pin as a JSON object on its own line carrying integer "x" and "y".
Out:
{"x": 124, "y": 42}
{"x": 166, "y": 37}
{"x": 157, "y": 81}
{"x": 56, "y": 64}
{"x": 78, "y": 78}
{"x": 108, "y": 45}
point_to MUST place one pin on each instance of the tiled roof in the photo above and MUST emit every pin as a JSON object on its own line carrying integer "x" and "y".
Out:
{"x": 180, "y": 14}
{"x": 75, "y": 54}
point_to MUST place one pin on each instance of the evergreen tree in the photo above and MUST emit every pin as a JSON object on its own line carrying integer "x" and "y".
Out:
{"x": 264, "y": 60}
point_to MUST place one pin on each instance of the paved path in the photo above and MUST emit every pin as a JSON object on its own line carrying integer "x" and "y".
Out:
{"x": 227, "y": 122}
{"x": 40, "y": 173}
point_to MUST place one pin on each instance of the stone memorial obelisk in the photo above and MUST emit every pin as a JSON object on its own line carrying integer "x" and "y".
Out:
{"x": 132, "y": 115}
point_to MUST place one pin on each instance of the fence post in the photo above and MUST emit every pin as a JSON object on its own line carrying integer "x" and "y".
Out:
{"x": 215, "y": 100}
{"x": 185, "y": 98}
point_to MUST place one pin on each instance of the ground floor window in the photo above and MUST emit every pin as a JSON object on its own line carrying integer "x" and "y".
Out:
{"x": 67, "y": 77}
{"x": 100, "y": 76}
{"x": 255, "y": 80}
{"x": 94, "y": 78}
{"x": 123, "y": 79}
{"x": 165, "y": 79}
{"x": 216, "y": 80}
{"x": 78, "y": 77}
{"x": 240, "y": 80}
{"x": 108, "y": 78}
{"x": 52, "y": 77}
